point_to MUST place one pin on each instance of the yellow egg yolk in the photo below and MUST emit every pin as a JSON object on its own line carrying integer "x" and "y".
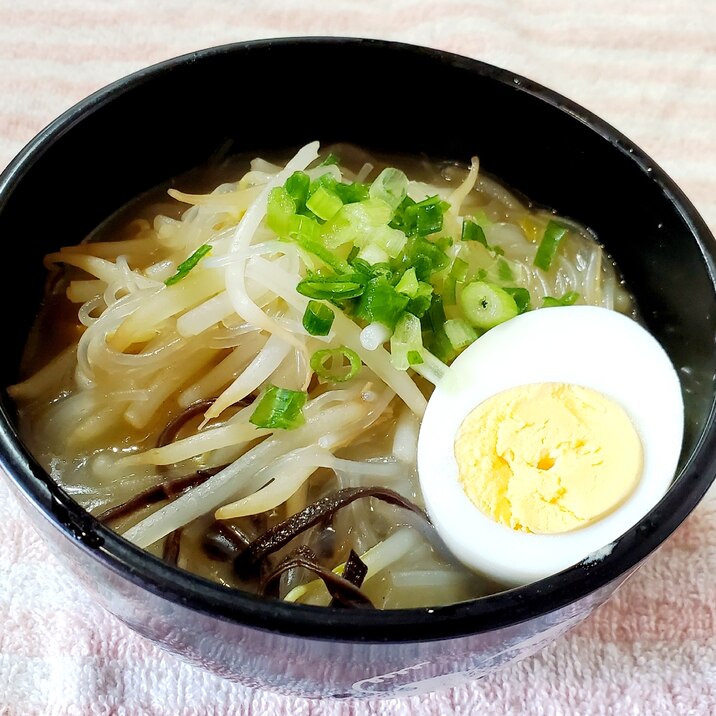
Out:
{"x": 549, "y": 457}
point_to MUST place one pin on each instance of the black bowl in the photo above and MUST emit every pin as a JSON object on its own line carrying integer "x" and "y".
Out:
{"x": 169, "y": 118}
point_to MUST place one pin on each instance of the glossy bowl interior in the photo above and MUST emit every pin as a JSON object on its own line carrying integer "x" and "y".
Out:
{"x": 163, "y": 121}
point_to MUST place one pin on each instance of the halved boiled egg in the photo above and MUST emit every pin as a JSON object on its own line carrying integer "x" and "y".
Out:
{"x": 552, "y": 435}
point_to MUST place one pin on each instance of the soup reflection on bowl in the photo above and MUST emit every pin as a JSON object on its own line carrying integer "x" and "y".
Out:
{"x": 365, "y": 416}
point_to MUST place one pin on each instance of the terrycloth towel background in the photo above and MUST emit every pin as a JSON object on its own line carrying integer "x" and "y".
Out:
{"x": 646, "y": 66}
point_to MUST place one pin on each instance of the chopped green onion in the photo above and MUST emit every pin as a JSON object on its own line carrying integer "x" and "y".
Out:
{"x": 441, "y": 346}
{"x": 486, "y": 305}
{"x": 408, "y": 283}
{"x": 371, "y": 270}
{"x": 297, "y": 188}
{"x": 332, "y": 288}
{"x": 280, "y": 209}
{"x": 185, "y": 266}
{"x": 504, "y": 271}
{"x": 401, "y": 220}
{"x": 327, "y": 180}
{"x": 480, "y": 217}
{"x": 382, "y": 270}
{"x": 443, "y": 243}
{"x": 421, "y": 218}
{"x": 460, "y": 334}
{"x": 381, "y": 302}
{"x": 306, "y": 232}
{"x": 352, "y": 254}
{"x": 450, "y": 291}
{"x": 459, "y": 269}
{"x": 553, "y": 235}
{"x": 420, "y": 303}
{"x": 355, "y": 223}
{"x": 415, "y": 358}
{"x": 373, "y": 254}
{"x": 422, "y": 255}
{"x": 330, "y": 159}
{"x": 359, "y": 264}
{"x": 303, "y": 228}
{"x": 392, "y": 241}
{"x": 407, "y": 338}
{"x": 372, "y": 212}
{"x": 324, "y": 203}
{"x": 318, "y": 318}
{"x": 473, "y": 232}
{"x": 521, "y": 297}
{"x": 438, "y": 259}
{"x": 436, "y": 313}
{"x": 568, "y": 299}
{"x": 427, "y": 215}
{"x": 280, "y": 408}
{"x": 457, "y": 274}
{"x": 391, "y": 186}
{"x": 352, "y": 192}
{"x": 338, "y": 372}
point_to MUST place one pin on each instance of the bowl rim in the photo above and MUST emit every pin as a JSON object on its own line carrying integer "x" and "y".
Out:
{"x": 465, "y": 618}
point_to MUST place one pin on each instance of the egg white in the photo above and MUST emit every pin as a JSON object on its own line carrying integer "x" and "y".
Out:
{"x": 583, "y": 345}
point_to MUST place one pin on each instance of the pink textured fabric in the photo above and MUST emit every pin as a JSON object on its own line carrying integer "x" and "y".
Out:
{"x": 649, "y": 68}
